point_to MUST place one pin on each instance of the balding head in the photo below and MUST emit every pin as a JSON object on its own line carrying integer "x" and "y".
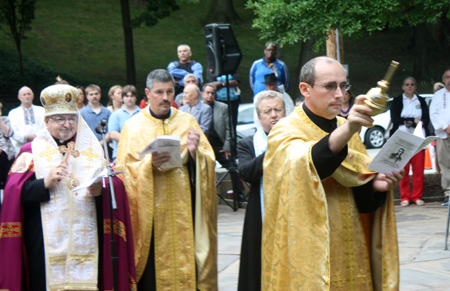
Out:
{"x": 25, "y": 96}
{"x": 308, "y": 72}
{"x": 191, "y": 94}
{"x": 184, "y": 53}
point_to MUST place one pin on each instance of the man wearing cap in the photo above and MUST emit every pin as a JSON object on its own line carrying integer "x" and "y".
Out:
{"x": 267, "y": 65}
{"x": 271, "y": 83}
{"x": 55, "y": 231}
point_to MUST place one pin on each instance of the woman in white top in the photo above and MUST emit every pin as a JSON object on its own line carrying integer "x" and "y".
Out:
{"x": 407, "y": 110}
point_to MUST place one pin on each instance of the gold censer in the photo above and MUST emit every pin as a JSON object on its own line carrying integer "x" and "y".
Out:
{"x": 377, "y": 97}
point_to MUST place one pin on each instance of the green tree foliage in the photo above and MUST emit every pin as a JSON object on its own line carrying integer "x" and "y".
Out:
{"x": 291, "y": 21}
{"x": 15, "y": 18}
{"x": 155, "y": 10}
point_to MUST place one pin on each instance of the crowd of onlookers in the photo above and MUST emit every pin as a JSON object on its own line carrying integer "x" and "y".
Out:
{"x": 291, "y": 171}
{"x": 207, "y": 102}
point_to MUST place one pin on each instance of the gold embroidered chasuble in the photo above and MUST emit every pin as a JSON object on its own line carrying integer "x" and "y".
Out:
{"x": 69, "y": 218}
{"x": 161, "y": 199}
{"x": 313, "y": 238}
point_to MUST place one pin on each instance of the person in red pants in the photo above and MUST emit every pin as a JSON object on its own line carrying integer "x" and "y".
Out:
{"x": 418, "y": 165}
{"x": 407, "y": 110}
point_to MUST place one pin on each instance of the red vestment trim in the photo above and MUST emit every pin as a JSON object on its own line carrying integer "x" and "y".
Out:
{"x": 11, "y": 229}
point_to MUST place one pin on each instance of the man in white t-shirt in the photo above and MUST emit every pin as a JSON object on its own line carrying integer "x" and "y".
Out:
{"x": 26, "y": 120}
{"x": 440, "y": 117}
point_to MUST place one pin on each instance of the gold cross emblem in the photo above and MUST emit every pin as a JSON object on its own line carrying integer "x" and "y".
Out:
{"x": 48, "y": 153}
{"x": 90, "y": 154}
{"x": 59, "y": 231}
{"x": 69, "y": 150}
{"x": 84, "y": 230}
{"x": 57, "y": 198}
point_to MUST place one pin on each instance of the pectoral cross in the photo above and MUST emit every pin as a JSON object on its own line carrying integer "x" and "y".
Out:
{"x": 69, "y": 150}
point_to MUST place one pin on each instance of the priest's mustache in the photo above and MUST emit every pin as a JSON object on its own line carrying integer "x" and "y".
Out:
{"x": 164, "y": 102}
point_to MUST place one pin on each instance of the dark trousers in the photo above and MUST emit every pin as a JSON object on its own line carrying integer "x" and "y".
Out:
{"x": 4, "y": 168}
{"x": 221, "y": 158}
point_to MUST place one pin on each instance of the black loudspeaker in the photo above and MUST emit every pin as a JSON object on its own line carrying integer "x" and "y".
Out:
{"x": 223, "y": 53}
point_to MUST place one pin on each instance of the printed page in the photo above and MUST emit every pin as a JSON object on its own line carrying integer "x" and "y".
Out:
{"x": 166, "y": 143}
{"x": 397, "y": 151}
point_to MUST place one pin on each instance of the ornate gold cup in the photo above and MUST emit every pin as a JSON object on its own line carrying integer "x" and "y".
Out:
{"x": 377, "y": 97}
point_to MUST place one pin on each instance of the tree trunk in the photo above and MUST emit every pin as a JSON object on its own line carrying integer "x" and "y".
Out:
{"x": 222, "y": 11}
{"x": 420, "y": 51}
{"x": 129, "y": 50}
{"x": 18, "y": 41}
{"x": 331, "y": 46}
{"x": 19, "y": 51}
{"x": 438, "y": 30}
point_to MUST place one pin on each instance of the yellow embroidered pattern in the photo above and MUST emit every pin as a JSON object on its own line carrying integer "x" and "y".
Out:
{"x": 119, "y": 228}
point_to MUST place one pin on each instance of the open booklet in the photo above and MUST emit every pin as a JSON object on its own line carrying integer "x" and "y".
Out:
{"x": 103, "y": 174}
{"x": 165, "y": 143}
{"x": 399, "y": 149}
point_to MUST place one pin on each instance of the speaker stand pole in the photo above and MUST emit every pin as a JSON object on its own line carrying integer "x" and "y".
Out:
{"x": 234, "y": 175}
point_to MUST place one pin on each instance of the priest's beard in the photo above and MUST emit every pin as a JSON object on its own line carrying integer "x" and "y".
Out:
{"x": 66, "y": 133}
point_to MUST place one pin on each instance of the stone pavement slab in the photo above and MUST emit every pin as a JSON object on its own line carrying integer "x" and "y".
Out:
{"x": 424, "y": 264}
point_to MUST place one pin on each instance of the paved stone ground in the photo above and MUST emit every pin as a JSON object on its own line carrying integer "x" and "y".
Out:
{"x": 424, "y": 264}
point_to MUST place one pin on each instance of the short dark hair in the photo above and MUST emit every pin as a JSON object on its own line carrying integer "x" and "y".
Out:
{"x": 209, "y": 85}
{"x": 159, "y": 75}
{"x": 448, "y": 69}
{"x": 129, "y": 89}
{"x": 271, "y": 43}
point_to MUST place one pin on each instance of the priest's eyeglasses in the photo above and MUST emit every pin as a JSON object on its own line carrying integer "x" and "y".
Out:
{"x": 61, "y": 121}
{"x": 333, "y": 86}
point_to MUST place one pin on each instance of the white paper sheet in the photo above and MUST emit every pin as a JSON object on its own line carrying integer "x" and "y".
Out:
{"x": 165, "y": 143}
{"x": 397, "y": 151}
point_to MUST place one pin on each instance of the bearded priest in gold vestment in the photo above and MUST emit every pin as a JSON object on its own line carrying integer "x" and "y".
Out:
{"x": 173, "y": 210}
{"x": 329, "y": 222}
